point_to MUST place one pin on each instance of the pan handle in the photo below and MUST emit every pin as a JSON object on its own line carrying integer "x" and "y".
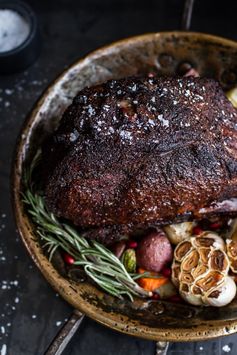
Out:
{"x": 65, "y": 334}
{"x": 161, "y": 347}
{"x": 187, "y": 14}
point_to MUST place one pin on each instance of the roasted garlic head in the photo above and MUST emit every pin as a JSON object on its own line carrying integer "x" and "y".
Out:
{"x": 200, "y": 271}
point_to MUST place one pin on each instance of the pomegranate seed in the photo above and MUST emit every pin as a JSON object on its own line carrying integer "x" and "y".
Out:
{"x": 151, "y": 75}
{"x": 192, "y": 72}
{"x": 215, "y": 225}
{"x": 132, "y": 244}
{"x": 166, "y": 272}
{"x": 155, "y": 296}
{"x": 175, "y": 298}
{"x": 68, "y": 259}
{"x": 197, "y": 230}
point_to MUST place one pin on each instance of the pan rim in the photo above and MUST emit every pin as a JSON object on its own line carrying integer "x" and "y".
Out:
{"x": 208, "y": 330}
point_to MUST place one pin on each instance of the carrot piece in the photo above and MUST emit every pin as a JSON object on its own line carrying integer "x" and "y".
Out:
{"x": 150, "y": 284}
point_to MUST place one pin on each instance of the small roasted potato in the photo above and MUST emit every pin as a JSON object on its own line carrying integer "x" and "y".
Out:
{"x": 154, "y": 251}
{"x": 179, "y": 231}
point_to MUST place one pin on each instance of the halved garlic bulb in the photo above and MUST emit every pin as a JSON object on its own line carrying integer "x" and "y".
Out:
{"x": 200, "y": 270}
{"x": 179, "y": 231}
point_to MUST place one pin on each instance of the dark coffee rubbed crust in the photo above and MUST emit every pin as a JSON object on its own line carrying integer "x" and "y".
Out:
{"x": 138, "y": 152}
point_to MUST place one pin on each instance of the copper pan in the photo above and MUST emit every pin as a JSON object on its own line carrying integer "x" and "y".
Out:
{"x": 164, "y": 53}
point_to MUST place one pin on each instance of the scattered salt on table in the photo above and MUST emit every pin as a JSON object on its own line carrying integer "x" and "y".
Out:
{"x": 226, "y": 348}
{"x": 13, "y": 30}
{"x": 4, "y": 349}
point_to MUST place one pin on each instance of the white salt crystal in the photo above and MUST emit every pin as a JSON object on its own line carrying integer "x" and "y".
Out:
{"x": 8, "y": 91}
{"x": 163, "y": 121}
{"x": 226, "y": 348}
{"x": 13, "y": 30}
{"x": 15, "y": 282}
{"x": 4, "y": 349}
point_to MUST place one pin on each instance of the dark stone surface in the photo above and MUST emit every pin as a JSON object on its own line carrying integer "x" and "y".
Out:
{"x": 30, "y": 311}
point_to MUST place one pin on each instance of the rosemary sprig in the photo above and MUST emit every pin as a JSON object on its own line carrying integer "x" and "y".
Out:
{"x": 98, "y": 262}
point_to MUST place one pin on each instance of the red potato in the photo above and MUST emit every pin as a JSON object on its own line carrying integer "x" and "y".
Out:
{"x": 154, "y": 251}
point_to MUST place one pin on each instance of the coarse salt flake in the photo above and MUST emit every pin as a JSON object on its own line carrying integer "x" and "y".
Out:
{"x": 4, "y": 349}
{"x": 151, "y": 122}
{"x": 125, "y": 135}
{"x": 163, "y": 121}
{"x": 226, "y": 348}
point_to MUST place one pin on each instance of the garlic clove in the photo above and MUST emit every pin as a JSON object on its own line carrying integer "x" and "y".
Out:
{"x": 209, "y": 280}
{"x": 190, "y": 297}
{"x": 208, "y": 239}
{"x": 175, "y": 273}
{"x": 232, "y": 254}
{"x": 233, "y": 266}
{"x": 232, "y": 248}
{"x": 200, "y": 270}
{"x": 204, "y": 255}
{"x": 178, "y": 232}
{"x": 222, "y": 294}
{"x": 232, "y": 233}
{"x": 186, "y": 277}
{"x": 190, "y": 261}
{"x": 182, "y": 250}
{"x": 219, "y": 261}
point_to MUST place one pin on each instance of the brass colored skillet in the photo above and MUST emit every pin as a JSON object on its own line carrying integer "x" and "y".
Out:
{"x": 165, "y": 53}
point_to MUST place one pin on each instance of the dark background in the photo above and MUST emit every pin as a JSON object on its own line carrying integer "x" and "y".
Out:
{"x": 30, "y": 311}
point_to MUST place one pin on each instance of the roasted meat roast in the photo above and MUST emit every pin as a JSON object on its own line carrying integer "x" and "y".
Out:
{"x": 141, "y": 152}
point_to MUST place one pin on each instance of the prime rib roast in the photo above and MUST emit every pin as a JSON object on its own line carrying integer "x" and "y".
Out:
{"x": 141, "y": 152}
